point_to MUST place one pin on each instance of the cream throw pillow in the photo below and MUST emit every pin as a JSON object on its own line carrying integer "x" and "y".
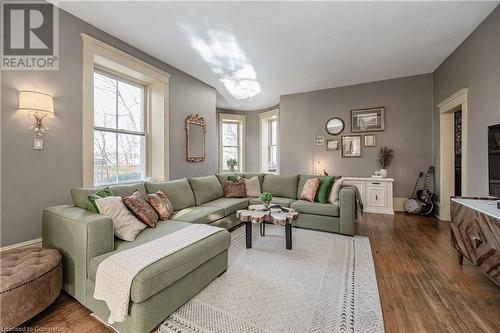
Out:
{"x": 125, "y": 224}
{"x": 253, "y": 187}
{"x": 334, "y": 194}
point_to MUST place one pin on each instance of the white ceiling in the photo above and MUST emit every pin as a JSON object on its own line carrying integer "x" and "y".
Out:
{"x": 276, "y": 48}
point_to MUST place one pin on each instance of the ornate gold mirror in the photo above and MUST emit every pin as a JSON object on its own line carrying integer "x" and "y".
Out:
{"x": 195, "y": 138}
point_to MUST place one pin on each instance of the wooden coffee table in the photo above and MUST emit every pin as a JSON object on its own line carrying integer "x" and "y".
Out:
{"x": 259, "y": 214}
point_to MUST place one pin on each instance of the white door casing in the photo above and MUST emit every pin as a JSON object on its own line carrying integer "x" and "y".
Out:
{"x": 446, "y": 108}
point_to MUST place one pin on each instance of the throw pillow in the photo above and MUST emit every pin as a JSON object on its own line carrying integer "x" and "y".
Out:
{"x": 334, "y": 194}
{"x": 310, "y": 188}
{"x": 252, "y": 187}
{"x": 125, "y": 224}
{"x": 90, "y": 202}
{"x": 235, "y": 189}
{"x": 233, "y": 178}
{"x": 324, "y": 189}
{"x": 141, "y": 209}
{"x": 161, "y": 205}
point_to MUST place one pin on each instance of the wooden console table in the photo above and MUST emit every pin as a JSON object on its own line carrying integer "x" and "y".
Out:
{"x": 475, "y": 234}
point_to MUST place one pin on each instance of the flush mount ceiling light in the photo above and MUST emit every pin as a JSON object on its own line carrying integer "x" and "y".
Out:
{"x": 39, "y": 105}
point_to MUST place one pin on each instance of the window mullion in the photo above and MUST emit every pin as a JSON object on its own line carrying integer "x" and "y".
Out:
{"x": 116, "y": 134}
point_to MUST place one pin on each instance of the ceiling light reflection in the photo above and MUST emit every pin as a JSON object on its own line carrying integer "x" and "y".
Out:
{"x": 222, "y": 52}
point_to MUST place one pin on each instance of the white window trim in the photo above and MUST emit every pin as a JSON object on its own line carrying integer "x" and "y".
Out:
{"x": 241, "y": 118}
{"x": 156, "y": 81}
{"x": 263, "y": 149}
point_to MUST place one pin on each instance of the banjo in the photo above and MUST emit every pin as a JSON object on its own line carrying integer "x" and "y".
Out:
{"x": 413, "y": 205}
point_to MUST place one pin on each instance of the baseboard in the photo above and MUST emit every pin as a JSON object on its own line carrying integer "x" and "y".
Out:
{"x": 399, "y": 204}
{"x": 33, "y": 242}
{"x": 438, "y": 214}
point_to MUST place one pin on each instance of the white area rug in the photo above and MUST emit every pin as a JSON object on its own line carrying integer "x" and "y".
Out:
{"x": 326, "y": 283}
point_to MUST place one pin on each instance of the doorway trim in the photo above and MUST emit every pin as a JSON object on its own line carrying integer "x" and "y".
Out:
{"x": 457, "y": 101}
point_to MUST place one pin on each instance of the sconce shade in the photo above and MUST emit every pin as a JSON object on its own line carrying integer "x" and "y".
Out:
{"x": 36, "y": 101}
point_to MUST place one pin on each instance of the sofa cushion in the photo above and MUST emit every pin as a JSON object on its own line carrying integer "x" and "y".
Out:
{"x": 141, "y": 209}
{"x": 230, "y": 205}
{"x": 251, "y": 175}
{"x": 302, "y": 181}
{"x": 161, "y": 205}
{"x": 253, "y": 187}
{"x": 315, "y": 208}
{"x": 324, "y": 189}
{"x": 170, "y": 269}
{"x": 281, "y": 186}
{"x": 206, "y": 189}
{"x": 304, "y": 178}
{"x": 309, "y": 190}
{"x": 91, "y": 206}
{"x": 125, "y": 225}
{"x": 222, "y": 177}
{"x": 334, "y": 193}
{"x": 80, "y": 194}
{"x": 284, "y": 202}
{"x": 177, "y": 191}
{"x": 235, "y": 189}
{"x": 195, "y": 214}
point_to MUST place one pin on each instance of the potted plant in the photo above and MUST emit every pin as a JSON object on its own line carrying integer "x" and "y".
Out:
{"x": 231, "y": 163}
{"x": 384, "y": 159}
{"x": 266, "y": 198}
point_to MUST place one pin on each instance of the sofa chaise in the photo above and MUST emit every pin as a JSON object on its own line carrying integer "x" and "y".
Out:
{"x": 85, "y": 239}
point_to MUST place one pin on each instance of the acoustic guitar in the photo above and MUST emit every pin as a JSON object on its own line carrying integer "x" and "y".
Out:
{"x": 413, "y": 205}
{"x": 427, "y": 197}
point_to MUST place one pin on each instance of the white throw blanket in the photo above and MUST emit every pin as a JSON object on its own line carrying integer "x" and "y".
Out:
{"x": 115, "y": 274}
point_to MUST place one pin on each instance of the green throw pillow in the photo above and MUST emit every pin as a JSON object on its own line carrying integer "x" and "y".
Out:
{"x": 105, "y": 192}
{"x": 325, "y": 186}
{"x": 232, "y": 178}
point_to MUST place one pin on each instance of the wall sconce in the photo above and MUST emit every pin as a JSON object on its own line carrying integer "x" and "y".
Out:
{"x": 40, "y": 105}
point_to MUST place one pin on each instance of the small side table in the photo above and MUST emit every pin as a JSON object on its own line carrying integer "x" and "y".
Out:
{"x": 259, "y": 214}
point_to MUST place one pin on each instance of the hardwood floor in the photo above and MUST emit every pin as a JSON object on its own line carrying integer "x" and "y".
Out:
{"x": 422, "y": 288}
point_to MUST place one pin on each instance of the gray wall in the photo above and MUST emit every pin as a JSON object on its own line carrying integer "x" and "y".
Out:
{"x": 475, "y": 64}
{"x": 32, "y": 180}
{"x": 408, "y": 112}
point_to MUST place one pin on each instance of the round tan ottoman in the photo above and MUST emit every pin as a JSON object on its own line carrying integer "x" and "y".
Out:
{"x": 30, "y": 280}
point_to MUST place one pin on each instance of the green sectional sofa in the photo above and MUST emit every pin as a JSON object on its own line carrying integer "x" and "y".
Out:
{"x": 85, "y": 239}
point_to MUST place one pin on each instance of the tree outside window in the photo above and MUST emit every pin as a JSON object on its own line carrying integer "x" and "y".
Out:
{"x": 119, "y": 130}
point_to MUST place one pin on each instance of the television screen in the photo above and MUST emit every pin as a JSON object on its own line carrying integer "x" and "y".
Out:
{"x": 494, "y": 160}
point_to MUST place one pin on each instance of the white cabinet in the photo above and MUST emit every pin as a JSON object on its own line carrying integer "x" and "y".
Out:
{"x": 376, "y": 193}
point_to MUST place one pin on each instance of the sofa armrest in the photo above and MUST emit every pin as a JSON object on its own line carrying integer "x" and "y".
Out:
{"x": 79, "y": 235}
{"x": 347, "y": 206}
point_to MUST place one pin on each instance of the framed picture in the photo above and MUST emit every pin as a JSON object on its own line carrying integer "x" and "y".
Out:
{"x": 368, "y": 120}
{"x": 332, "y": 144}
{"x": 320, "y": 140}
{"x": 370, "y": 140}
{"x": 351, "y": 146}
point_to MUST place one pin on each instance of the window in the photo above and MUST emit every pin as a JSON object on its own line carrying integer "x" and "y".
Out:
{"x": 273, "y": 145}
{"x": 125, "y": 117}
{"x": 269, "y": 141}
{"x": 232, "y": 129}
{"x": 119, "y": 130}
